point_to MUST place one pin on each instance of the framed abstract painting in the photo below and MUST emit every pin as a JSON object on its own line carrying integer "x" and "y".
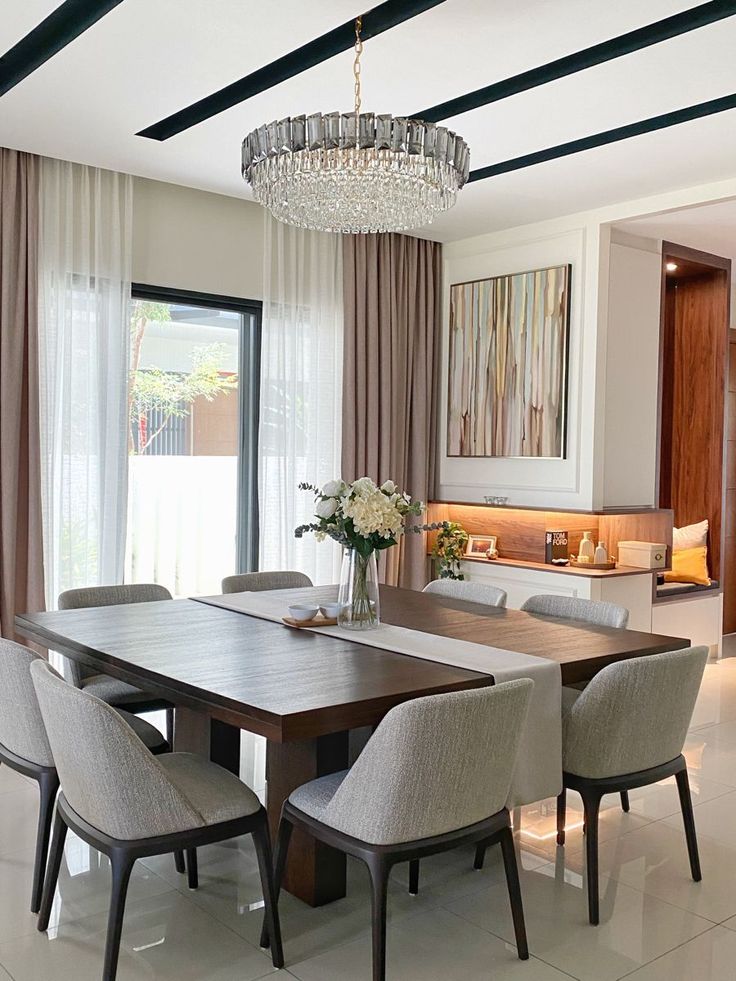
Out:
{"x": 508, "y": 365}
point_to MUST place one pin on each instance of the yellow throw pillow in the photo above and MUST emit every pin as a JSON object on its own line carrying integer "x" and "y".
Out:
{"x": 689, "y": 565}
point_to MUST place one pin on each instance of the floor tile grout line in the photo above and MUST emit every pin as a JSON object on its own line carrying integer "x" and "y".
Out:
{"x": 667, "y": 953}
{"x": 532, "y": 954}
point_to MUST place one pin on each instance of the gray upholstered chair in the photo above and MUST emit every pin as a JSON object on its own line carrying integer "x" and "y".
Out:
{"x": 626, "y": 730}
{"x": 24, "y": 746}
{"x": 129, "y": 804}
{"x": 252, "y": 582}
{"x": 472, "y": 592}
{"x": 112, "y": 690}
{"x": 571, "y": 608}
{"x": 436, "y": 773}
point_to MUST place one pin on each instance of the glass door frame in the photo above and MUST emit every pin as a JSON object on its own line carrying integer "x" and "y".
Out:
{"x": 249, "y": 399}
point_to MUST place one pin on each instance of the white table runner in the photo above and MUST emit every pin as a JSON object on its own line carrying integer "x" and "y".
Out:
{"x": 539, "y": 766}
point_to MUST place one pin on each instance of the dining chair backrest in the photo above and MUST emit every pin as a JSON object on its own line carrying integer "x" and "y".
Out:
{"x": 91, "y": 596}
{"x": 472, "y": 592}
{"x": 107, "y": 775}
{"x": 633, "y": 715}
{"x": 256, "y": 582}
{"x": 599, "y": 613}
{"x": 21, "y": 726}
{"x": 434, "y": 765}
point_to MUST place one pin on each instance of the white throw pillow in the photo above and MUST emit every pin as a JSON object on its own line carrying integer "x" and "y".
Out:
{"x": 691, "y": 536}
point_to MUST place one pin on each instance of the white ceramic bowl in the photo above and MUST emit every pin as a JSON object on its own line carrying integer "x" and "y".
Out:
{"x": 330, "y": 610}
{"x": 303, "y": 613}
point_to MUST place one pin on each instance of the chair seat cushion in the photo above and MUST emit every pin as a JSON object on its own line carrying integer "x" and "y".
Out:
{"x": 313, "y": 797}
{"x": 216, "y": 793}
{"x": 113, "y": 691}
{"x": 148, "y": 734}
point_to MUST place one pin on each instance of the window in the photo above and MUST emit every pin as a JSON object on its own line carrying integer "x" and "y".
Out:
{"x": 193, "y": 426}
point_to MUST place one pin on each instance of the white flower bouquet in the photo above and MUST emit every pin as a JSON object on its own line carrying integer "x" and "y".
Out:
{"x": 364, "y": 518}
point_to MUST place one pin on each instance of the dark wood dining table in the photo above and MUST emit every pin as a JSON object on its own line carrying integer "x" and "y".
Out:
{"x": 305, "y": 692}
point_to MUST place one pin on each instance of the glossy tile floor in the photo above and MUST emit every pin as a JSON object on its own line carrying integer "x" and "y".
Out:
{"x": 656, "y": 924}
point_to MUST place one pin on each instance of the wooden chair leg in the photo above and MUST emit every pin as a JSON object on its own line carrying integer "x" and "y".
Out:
{"x": 591, "y": 808}
{"x": 179, "y": 862}
{"x": 262, "y": 841}
{"x": 379, "y": 872}
{"x": 192, "y": 870}
{"x": 480, "y": 856}
{"x": 625, "y": 805}
{"x": 47, "y": 785}
{"x": 170, "y": 727}
{"x": 52, "y": 872}
{"x": 279, "y": 864}
{"x": 414, "y": 877}
{"x": 561, "y": 816}
{"x": 686, "y": 804}
{"x": 514, "y": 886}
{"x": 122, "y": 866}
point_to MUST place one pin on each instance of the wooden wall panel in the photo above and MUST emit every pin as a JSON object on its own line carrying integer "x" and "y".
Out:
{"x": 694, "y": 347}
{"x": 729, "y": 519}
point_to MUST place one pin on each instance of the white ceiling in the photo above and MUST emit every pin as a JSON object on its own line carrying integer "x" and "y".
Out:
{"x": 710, "y": 228}
{"x": 148, "y": 58}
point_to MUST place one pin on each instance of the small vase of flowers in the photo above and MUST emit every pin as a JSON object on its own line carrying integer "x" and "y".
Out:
{"x": 365, "y": 519}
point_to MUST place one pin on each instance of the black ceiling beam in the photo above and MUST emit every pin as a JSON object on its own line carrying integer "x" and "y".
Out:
{"x": 650, "y": 125}
{"x": 63, "y": 25}
{"x": 643, "y": 37}
{"x": 376, "y": 21}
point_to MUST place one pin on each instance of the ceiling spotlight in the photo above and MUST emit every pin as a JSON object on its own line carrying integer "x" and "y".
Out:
{"x": 671, "y": 267}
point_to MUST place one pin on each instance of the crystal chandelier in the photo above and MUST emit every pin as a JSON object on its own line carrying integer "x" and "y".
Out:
{"x": 355, "y": 172}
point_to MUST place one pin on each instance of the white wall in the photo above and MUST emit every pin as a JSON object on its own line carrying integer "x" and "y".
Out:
{"x": 629, "y": 393}
{"x": 567, "y": 482}
{"x": 196, "y": 240}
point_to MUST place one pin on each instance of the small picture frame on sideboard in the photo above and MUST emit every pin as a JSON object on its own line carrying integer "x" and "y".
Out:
{"x": 479, "y": 545}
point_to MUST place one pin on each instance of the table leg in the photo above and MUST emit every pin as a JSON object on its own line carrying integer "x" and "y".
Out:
{"x": 196, "y": 732}
{"x": 315, "y": 873}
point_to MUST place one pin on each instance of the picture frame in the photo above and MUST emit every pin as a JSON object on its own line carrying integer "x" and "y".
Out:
{"x": 478, "y": 545}
{"x": 507, "y": 375}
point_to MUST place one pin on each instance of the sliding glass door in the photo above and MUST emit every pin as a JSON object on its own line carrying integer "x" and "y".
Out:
{"x": 192, "y": 410}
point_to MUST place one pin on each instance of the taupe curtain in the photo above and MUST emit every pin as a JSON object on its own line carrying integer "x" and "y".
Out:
{"x": 21, "y": 552}
{"x": 392, "y": 317}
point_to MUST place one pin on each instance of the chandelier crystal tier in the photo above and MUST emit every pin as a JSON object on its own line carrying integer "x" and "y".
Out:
{"x": 355, "y": 172}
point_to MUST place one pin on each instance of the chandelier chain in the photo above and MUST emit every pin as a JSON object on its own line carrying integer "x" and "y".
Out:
{"x": 356, "y": 63}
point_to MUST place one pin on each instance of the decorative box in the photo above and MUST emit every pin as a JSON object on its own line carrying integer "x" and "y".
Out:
{"x": 642, "y": 555}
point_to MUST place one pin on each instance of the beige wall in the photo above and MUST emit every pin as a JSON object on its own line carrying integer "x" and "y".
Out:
{"x": 196, "y": 240}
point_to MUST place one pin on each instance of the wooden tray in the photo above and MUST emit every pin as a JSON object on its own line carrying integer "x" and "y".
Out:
{"x": 318, "y": 621}
{"x": 601, "y": 566}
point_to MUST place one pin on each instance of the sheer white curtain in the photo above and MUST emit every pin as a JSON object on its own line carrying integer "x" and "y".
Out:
{"x": 301, "y": 392}
{"x": 84, "y": 294}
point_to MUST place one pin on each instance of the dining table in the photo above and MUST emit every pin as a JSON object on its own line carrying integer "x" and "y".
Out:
{"x": 225, "y": 671}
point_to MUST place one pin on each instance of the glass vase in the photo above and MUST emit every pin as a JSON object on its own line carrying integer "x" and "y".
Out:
{"x": 358, "y": 595}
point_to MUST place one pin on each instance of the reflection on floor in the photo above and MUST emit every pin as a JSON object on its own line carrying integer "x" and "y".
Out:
{"x": 656, "y": 924}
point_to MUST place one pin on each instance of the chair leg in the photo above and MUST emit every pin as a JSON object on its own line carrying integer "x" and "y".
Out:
{"x": 561, "y": 816}
{"x": 47, "y": 786}
{"x": 686, "y": 804}
{"x": 282, "y": 852}
{"x": 379, "y": 872}
{"x": 625, "y": 805}
{"x": 512, "y": 881}
{"x": 179, "y": 862}
{"x": 262, "y": 841}
{"x": 122, "y": 866}
{"x": 192, "y": 871}
{"x": 414, "y": 877}
{"x": 170, "y": 727}
{"x": 52, "y": 872}
{"x": 480, "y": 856}
{"x": 591, "y": 808}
